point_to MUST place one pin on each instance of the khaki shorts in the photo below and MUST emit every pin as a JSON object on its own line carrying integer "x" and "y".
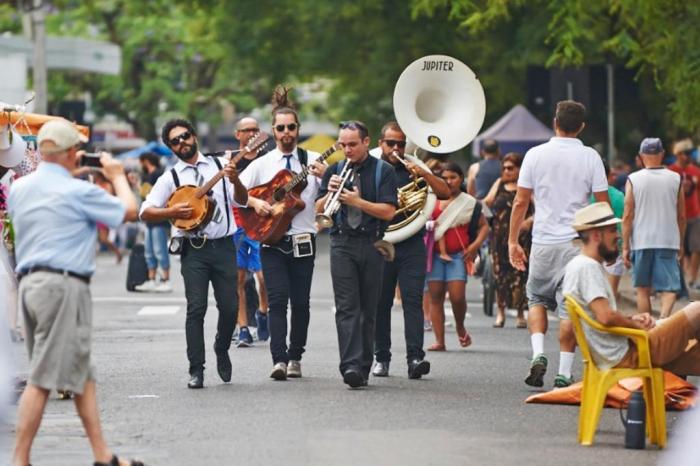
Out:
{"x": 672, "y": 346}
{"x": 57, "y": 312}
{"x": 547, "y": 263}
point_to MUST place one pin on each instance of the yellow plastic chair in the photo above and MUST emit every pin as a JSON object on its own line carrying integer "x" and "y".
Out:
{"x": 597, "y": 382}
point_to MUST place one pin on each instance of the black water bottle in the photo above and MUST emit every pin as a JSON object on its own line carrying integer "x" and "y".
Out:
{"x": 635, "y": 424}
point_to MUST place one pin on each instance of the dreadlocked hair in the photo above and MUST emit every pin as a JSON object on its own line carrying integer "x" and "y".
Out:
{"x": 282, "y": 104}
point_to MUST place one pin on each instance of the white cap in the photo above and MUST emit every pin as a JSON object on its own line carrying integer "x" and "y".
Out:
{"x": 61, "y": 132}
{"x": 12, "y": 148}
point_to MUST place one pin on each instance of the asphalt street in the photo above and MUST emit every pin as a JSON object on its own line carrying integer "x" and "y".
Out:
{"x": 469, "y": 410}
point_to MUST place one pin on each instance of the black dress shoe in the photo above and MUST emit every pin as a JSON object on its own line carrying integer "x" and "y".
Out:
{"x": 354, "y": 378}
{"x": 196, "y": 381}
{"x": 223, "y": 366}
{"x": 418, "y": 368}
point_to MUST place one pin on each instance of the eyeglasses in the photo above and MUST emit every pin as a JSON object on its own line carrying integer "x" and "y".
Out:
{"x": 394, "y": 143}
{"x": 508, "y": 168}
{"x": 249, "y": 130}
{"x": 290, "y": 127}
{"x": 178, "y": 139}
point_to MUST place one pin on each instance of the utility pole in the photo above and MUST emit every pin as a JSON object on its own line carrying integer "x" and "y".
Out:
{"x": 611, "y": 112}
{"x": 38, "y": 16}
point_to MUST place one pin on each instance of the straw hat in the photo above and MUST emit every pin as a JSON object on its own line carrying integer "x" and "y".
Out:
{"x": 595, "y": 215}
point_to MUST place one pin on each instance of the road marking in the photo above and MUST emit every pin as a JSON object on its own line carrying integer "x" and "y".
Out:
{"x": 158, "y": 310}
{"x": 141, "y": 300}
{"x": 133, "y": 397}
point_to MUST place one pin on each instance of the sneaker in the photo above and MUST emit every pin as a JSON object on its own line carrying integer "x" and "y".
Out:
{"x": 147, "y": 286}
{"x": 562, "y": 381}
{"x": 279, "y": 371}
{"x": 245, "y": 339}
{"x": 236, "y": 332}
{"x": 381, "y": 369}
{"x": 294, "y": 369}
{"x": 538, "y": 368}
{"x": 163, "y": 287}
{"x": 427, "y": 326}
{"x": 261, "y": 320}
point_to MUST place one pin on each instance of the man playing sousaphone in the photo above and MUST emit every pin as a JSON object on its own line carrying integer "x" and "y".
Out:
{"x": 408, "y": 266}
{"x": 366, "y": 208}
{"x": 209, "y": 256}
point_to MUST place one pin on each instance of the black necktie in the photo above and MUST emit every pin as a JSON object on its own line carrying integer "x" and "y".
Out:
{"x": 289, "y": 160}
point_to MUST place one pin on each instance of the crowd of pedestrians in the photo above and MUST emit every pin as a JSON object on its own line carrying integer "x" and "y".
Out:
{"x": 554, "y": 220}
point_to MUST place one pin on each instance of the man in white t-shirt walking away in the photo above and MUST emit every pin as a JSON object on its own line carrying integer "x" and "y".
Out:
{"x": 559, "y": 176}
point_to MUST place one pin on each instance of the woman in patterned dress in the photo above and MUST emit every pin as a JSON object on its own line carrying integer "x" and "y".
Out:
{"x": 510, "y": 283}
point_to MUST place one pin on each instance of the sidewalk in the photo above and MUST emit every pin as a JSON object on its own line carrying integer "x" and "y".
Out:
{"x": 628, "y": 297}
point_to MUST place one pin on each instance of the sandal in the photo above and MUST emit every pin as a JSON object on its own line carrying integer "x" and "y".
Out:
{"x": 522, "y": 323}
{"x": 465, "y": 340}
{"x": 436, "y": 347}
{"x": 499, "y": 324}
{"x": 115, "y": 462}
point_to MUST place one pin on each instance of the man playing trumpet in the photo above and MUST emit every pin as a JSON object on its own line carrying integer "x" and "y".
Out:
{"x": 361, "y": 219}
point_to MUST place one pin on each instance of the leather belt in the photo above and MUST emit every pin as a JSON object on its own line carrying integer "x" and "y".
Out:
{"x": 83, "y": 278}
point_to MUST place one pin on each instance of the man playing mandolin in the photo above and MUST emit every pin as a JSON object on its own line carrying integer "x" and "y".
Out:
{"x": 288, "y": 264}
{"x": 209, "y": 254}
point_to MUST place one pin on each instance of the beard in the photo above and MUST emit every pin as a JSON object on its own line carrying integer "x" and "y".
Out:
{"x": 187, "y": 151}
{"x": 608, "y": 255}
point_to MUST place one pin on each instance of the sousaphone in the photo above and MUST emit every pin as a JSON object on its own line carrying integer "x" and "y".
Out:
{"x": 440, "y": 105}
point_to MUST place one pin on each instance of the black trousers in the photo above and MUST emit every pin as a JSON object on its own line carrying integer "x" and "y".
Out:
{"x": 288, "y": 280}
{"x": 215, "y": 262}
{"x": 356, "y": 270}
{"x": 408, "y": 268}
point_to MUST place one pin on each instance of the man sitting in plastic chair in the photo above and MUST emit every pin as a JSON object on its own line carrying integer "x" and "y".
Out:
{"x": 670, "y": 343}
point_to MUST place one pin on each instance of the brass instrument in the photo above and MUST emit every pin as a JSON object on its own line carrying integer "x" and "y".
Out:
{"x": 332, "y": 204}
{"x": 440, "y": 106}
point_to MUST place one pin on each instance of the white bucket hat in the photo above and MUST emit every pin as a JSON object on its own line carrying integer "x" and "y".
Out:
{"x": 12, "y": 148}
{"x": 596, "y": 215}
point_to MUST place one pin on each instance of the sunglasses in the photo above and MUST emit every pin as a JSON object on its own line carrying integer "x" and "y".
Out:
{"x": 394, "y": 143}
{"x": 290, "y": 127}
{"x": 178, "y": 139}
{"x": 508, "y": 167}
{"x": 250, "y": 130}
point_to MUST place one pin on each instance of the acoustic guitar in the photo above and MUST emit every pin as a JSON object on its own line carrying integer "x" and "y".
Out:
{"x": 283, "y": 193}
{"x": 198, "y": 197}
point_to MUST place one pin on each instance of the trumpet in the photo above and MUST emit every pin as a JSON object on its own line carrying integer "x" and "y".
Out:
{"x": 332, "y": 204}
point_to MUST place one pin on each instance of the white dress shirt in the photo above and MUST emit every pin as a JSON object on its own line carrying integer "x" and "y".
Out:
{"x": 264, "y": 168}
{"x": 165, "y": 186}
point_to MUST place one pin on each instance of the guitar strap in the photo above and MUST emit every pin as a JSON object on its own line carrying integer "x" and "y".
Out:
{"x": 223, "y": 181}
{"x": 303, "y": 156}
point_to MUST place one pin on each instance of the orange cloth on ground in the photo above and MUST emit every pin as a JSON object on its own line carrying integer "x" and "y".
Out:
{"x": 679, "y": 394}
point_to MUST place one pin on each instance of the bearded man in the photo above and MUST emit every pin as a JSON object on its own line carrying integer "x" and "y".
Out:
{"x": 206, "y": 256}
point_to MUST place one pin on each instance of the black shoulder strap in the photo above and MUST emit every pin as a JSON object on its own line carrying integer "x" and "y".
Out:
{"x": 223, "y": 181}
{"x": 474, "y": 222}
{"x": 176, "y": 180}
{"x": 303, "y": 156}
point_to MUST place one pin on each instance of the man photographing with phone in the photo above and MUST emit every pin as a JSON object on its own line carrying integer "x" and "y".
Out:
{"x": 54, "y": 217}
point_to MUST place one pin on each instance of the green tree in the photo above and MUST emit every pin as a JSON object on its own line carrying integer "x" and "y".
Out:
{"x": 657, "y": 38}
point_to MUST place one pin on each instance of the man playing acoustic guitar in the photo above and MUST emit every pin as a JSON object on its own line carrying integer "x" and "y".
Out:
{"x": 288, "y": 265}
{"x": 210, "y": 254}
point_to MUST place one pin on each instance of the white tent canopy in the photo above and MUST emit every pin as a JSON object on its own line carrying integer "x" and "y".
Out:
{"x": 516, "y": 131}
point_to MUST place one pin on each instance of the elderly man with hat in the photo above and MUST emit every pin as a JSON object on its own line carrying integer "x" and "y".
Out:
{"x": 653, "y": 226}
{"x": 54, "y": 217}
{"x": 585, "y": 281}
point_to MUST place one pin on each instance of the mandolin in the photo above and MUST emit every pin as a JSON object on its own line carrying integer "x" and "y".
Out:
{"x": 282, "y": 192}
{"x": 198, "y": 197}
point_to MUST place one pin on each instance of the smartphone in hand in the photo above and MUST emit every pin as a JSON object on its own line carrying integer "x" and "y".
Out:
{"x": 90, "y": 159}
